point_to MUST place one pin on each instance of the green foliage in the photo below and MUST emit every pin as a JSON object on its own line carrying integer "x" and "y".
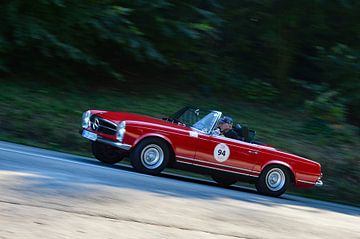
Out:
{"x": 277, "y": 41}
{"x": 257, "y": 91}
{"x": 327, "y": 108}
{"x": 211, "y": 45}
{"x": 99, "y": 34}
{"x": 341, "y": 70}
{"x": 326, "y": 118}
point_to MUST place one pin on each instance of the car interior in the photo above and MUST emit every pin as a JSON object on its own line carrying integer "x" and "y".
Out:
{"x": 246, "y": 134}
{"x": 194, "y": 114}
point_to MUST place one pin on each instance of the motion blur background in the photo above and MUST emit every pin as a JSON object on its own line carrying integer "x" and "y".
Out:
{"x": 288, "y": 69}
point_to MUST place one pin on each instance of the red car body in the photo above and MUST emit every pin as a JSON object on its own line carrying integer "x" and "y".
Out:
{"x": 193, "y": 147}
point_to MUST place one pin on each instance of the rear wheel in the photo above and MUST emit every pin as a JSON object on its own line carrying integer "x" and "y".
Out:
{"x": 106, "y": 153}
{"x": 273, "y": 181}
{"x": 224, "y": 180}
{"x": 150, "y": 156}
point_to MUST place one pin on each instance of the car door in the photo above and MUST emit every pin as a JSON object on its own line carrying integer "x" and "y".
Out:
{"x": 185, "y": 144}
{"x": 226, "y": 154}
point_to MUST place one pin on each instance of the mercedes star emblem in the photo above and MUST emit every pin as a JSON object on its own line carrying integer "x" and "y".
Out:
{"x": 96, "y": 124}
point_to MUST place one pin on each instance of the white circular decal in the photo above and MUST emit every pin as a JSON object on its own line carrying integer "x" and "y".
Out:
{"x": 221, "y": 152}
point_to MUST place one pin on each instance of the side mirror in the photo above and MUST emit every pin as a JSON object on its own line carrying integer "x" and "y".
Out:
{"x": 197, "y": 112}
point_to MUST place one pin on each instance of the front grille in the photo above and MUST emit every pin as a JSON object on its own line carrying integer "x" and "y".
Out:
{"x": 102, "y": 125}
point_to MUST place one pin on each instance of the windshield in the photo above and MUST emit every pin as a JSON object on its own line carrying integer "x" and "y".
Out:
{"x": 202, "y": 120}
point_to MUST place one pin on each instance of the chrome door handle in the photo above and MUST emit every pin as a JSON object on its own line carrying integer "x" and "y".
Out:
{"x": 253, "y": 152}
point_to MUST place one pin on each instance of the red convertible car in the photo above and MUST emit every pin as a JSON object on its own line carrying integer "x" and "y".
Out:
{"x": 189, "y": 140}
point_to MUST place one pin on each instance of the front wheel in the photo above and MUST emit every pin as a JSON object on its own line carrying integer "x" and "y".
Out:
{"x": 273, "y": 181}
{"x": 150, "y": 156}
{"x": 106, "y": 153}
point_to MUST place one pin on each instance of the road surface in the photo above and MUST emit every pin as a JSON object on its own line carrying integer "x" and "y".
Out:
{"x": 46, "y": 194}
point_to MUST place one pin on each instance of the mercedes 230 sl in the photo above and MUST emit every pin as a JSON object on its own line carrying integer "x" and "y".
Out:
{"x": 189, "y": 140}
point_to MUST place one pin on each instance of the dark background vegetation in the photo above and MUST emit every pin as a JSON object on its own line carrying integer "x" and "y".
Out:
{"x": 288, "y": 69}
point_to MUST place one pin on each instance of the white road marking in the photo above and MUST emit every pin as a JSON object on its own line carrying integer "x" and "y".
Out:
{"x": 69, "y": 161}
{"x": 104, "y": 167}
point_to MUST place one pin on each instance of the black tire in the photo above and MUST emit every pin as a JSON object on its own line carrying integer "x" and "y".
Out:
{"x": 278, "y": 185}
{"x": 224, "y": 180}
{"x": 106, "y": 153}
{"x": 150, "y": 156}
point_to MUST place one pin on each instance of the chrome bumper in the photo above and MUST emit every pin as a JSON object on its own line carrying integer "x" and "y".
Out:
{"x": 319, "y": 183}
{"x": 115, "y": 144}
{"x": 112, "y": 143}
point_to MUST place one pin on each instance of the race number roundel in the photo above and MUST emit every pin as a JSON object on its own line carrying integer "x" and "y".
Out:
{"x": 221, "y": 152}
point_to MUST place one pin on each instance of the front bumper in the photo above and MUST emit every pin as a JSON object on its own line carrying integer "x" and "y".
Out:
{"x": 110, "y": 142}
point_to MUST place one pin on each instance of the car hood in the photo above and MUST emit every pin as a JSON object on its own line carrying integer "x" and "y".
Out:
{"x": 131, "y": 118}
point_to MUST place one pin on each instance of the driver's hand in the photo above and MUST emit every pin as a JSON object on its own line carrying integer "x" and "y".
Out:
{"x": 216, "y": 132}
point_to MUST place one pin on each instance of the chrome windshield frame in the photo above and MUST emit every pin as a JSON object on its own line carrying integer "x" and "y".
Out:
{"x": 179, "y": 113}
{"x": 216, "y": 122}
{"x": 212, "y": 128}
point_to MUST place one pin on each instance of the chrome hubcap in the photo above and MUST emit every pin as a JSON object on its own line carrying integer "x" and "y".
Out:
{"x": 152, "y": 156}
{"x": 275, "y": 179}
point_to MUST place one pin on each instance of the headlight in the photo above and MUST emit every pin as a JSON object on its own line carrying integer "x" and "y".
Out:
{"x": 120, "y": 131}
{"x": 86, "y": 119}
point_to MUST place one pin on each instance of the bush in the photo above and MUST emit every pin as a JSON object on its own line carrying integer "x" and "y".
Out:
{"x": 340, "y": 69}
{"x": 255, "y": 90}
{"x": 327, "y": 108}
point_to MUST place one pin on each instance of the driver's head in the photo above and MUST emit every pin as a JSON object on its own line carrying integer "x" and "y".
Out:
{"x": 225, "y": 124}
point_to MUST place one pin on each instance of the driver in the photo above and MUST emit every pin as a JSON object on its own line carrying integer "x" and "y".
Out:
{"x": 225, "y": 127}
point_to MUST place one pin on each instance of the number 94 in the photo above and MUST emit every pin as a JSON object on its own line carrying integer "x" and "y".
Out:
{"x": 221, "y": 152}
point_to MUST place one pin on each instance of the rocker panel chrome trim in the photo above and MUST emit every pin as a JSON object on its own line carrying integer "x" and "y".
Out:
{"x": 225, "y": 170}
{"x": 221, "y": 165}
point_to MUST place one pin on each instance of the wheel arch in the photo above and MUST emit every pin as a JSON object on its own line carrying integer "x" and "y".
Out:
{"x": 161, "y": 137}
{"x": 283, "y": 164}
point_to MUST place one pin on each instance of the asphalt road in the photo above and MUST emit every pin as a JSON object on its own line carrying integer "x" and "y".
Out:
{"x": 45, "y": 194}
